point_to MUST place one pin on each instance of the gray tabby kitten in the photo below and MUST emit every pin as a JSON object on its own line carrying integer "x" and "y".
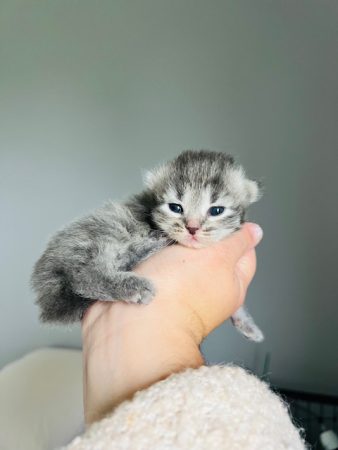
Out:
{"x": 196, "y": 199}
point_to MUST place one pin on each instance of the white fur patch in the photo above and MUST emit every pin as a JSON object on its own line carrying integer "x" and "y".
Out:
{"x": 170, "y": 197}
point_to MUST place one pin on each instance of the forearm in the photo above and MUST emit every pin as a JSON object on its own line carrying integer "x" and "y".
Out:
{"x": 142, "y": 351}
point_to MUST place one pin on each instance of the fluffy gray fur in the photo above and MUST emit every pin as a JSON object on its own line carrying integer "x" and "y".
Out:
{"x": 93, "y": 257}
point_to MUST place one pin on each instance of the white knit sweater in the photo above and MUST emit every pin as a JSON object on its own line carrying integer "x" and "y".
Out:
{"x": 201, "y": 409}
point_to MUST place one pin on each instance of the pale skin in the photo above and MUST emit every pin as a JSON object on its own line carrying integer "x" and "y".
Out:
{"x": 128, "y": 347}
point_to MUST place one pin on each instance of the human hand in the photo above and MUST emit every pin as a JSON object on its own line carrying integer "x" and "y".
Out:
{"x": 128, "y": 347}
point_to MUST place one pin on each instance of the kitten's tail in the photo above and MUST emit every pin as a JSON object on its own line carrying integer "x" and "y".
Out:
{"x": 55, "y": 298}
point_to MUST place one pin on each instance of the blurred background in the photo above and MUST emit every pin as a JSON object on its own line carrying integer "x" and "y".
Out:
{"x": 92, "y": 93}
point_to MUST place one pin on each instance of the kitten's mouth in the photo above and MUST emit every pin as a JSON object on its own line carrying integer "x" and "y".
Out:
{"x": 191, "y": 241}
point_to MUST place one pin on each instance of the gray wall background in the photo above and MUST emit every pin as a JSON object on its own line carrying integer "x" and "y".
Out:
{"x": 93, "y": 92}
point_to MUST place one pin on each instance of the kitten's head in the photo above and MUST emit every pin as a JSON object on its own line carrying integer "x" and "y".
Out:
{"x": 200, "y": 197}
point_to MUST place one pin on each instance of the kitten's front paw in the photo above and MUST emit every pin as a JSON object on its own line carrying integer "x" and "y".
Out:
{"x": 140, "y": 291}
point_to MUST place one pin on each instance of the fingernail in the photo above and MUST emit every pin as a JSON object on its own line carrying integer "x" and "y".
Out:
{"x": 256, "y": 232}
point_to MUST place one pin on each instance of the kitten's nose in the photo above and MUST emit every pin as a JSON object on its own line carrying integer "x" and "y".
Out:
{"x": 192, "y": 230}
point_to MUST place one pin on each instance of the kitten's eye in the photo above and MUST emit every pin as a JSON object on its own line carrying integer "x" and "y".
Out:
{"x": 216, "y": 210}
{"x": 176, "y": 208}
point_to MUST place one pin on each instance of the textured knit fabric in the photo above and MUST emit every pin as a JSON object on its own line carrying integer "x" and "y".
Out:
{"x": 218, "y": 407}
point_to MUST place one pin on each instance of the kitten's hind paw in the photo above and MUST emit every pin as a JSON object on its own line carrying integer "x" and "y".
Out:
{"x": 245, "y": 324}
{"x": 249, "y": 330}
{"x": 253, "y": 333}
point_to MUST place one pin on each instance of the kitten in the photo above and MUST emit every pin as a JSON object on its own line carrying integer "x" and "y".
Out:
{"x": 198, "y": 198}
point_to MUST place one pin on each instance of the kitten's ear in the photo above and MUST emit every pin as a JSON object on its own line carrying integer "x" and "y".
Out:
{"x": 152, "y": 177}
{"x": 246, "y": 191}
{"x": 148, "y": 177}
{"x": 253, "y": 191}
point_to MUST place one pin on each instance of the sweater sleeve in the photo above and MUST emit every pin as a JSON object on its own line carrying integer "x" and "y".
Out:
{"x": 218, "y": 407}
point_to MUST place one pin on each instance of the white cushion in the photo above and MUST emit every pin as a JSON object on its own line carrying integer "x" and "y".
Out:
{"x": 41, "y": 400}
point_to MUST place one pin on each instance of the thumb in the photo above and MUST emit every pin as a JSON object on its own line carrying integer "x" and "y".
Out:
{"x": 238, "y": 243}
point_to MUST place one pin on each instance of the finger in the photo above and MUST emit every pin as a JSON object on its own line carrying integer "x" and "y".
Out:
{"x": 237, "y": 244}
{"x": 246, "y": 267}
{"x": 245, "y": 270}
